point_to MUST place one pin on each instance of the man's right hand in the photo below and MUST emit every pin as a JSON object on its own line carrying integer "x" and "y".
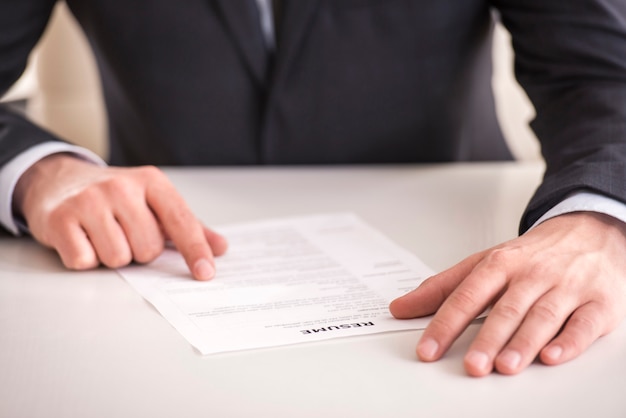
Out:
{"x": 95, "y": 215}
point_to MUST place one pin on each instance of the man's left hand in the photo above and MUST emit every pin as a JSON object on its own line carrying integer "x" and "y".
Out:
{"x": 552, "y": 291}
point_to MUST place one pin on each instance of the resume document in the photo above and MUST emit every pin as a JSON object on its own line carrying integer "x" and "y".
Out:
{"x": 285, "y": 281}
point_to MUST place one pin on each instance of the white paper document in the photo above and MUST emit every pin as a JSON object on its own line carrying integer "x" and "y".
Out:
{"x": 283, "y": 282}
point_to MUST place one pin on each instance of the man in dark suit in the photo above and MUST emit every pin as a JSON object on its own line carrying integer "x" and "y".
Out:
{"x": 346, "y": 81}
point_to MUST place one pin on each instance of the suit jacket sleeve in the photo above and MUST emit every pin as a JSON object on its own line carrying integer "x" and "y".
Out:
{"x": 21, "y": 25}
{"x": 571, "y": 60}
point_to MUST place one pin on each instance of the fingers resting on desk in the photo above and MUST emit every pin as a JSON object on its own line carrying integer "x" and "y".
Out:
{"x": 552, "y": 292}
{"x": 104, "y": 215}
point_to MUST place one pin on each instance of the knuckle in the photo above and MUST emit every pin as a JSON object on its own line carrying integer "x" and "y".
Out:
{"x": 583, "y": 324}
{"x": 61, "y": 216}
{"x": 121, "y": 189}
{"x": 87, "y": 198}
{"x": 150, "y": 173}
{"x": 508, "y": 311}
{"x": 180, "y": 217}
{"x": 441, "y": 326}
{"x": 148, "y": 253}
{"x": 118, "y": 259}
{"x": 503, "y": 255}
{"x": 464, "y": 299}
{"x": 546, "y": 312}
{"x": 571, "y": 344}
{"x": 489, "y": 340}
{"x": 87, "y": 203}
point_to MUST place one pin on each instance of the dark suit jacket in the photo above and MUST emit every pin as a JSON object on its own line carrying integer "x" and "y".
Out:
{"x": 353, "y": 81}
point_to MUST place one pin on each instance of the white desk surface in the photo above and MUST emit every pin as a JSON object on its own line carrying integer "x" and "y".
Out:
{"x": 84, "y": 344}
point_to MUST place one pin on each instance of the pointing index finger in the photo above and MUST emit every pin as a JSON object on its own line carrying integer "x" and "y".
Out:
{"x": 183, "y": 228}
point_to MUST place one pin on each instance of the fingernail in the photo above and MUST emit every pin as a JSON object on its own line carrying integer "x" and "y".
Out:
{"x": 203, "y": 269}
{"x": 477, "y": 359}
{"x": 554, "y": 352}
{"x": 511, "y": 359}
{"x": 427, "y": 349}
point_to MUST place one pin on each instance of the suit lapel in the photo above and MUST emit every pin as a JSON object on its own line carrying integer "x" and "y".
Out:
{"x": 241, "y": 20}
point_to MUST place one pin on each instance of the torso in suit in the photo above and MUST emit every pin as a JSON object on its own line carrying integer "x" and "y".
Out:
{"x": 352, "y": 81}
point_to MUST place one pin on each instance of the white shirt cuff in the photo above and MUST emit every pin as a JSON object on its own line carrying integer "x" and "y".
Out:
{"x": 11, "y": 172}
{"x": 586, "y": 202}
